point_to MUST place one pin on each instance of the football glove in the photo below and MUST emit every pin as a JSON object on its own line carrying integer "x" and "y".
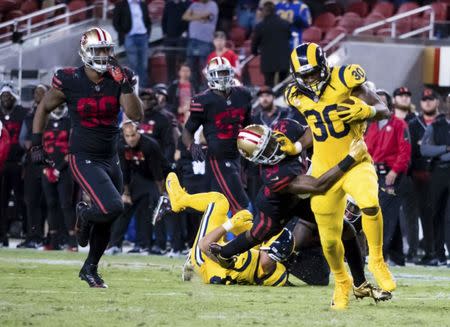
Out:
{"x": 358, "y": 150}
{"x": 287, "y": 146}
{"x": 37, "y": 154}
{"x": 241, "y": 222}
{"x": 357, "y": 111}
{"x": 52, "y": 174}
{"x": 116, "y": 71}
{"x": 197, "y": 152}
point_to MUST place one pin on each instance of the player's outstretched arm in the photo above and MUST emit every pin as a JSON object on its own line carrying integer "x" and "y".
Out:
{"x": 364, "y": 93}
{"x": 305, "y": 184}
{"x": 132, "y": 106}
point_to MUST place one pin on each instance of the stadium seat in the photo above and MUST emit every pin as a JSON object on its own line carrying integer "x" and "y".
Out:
{"x": 155, "y": 10}
{"x": 238, "y": 35}
{"x": 440, "y": 11}
{"x": 158, "y": 68}
{"x": 350, "y": 22}
{"x": 359, "y": 7}
{"x": 254, "y": 72}
{"x": 372, "y": 18}
{"x": 385, "y": 8}
{"x": 76, "y": 5}
{"x": 325, "y": 21}
{"x": 8, "y": 5}
{"x": 13, "y": 14}
{"x": 312, "y": 34}
{"x": 29, "y": 6}
{"x": 332, "y": 34}
{"x": 407, "y": 6}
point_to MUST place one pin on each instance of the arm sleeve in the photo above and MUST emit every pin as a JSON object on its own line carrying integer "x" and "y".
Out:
{"x": 428, "y": 148}
{"x": 197, "y": 117}
{"x": 303, "y": 19}
{"x": 404, "y": 150}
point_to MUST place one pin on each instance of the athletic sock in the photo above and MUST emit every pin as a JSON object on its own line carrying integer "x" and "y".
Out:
{"x": 98, "y": 242}
{"x": 373, "y": 228}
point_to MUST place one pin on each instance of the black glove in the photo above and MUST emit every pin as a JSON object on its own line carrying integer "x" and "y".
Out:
{"x": 37, "y": 154}
{"x": 197, "y": 152}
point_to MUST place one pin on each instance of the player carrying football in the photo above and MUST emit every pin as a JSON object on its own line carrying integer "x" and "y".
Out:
{"x": 94, "y": 94}
{"x": 336, "y": 103}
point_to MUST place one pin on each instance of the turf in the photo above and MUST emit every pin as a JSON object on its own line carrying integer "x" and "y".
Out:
{"x": 43, "y": 289}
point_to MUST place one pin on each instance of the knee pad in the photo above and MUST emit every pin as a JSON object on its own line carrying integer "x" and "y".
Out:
{"x": 371, "y": 211}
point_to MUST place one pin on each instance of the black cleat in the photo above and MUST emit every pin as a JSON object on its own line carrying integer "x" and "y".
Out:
{"x": 162, "y": 208}
{"x": 89, "y": 274}
{"x": 82, "y": 226}
{"x": 216, "y": 249}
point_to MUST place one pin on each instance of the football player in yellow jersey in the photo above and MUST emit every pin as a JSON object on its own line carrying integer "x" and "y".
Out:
{"x": 336, "y": 103}
{"x": 248, "y": 267}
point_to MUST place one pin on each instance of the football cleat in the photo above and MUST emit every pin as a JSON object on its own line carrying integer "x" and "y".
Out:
{"x": 188, "y": 270}
{"x": 82, "y": 226}
{"x": 162, "y": 208}
{"x": 382, "y": 275}
{"x": 175, "y": 191}
{"x": 341, "y": 294}
{"x": 215, "y": 250}
{"x": 90, "y": 275}
{"x": 367, "y": 290}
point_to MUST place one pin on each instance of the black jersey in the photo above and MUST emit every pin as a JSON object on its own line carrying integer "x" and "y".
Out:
{"x": 13, "y": 121}
{"x": 93, "y": 109}
{"x": 56, "y": 140}
{"x": 159, "y": 126}
{"x": 142, "y": 164}
{"x": 222, "y": 118}
{"x": 261, "y": 118}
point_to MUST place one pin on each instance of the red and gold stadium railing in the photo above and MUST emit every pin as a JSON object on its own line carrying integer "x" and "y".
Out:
{"x": 51, "y": 19}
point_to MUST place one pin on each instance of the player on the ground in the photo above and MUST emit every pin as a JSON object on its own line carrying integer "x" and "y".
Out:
{"x": 336, "y": 103}
{"x": 223, "y": 110}
{"x": 94, "y": 94}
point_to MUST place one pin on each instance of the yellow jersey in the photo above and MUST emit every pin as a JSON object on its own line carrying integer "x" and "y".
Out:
{"x": 331, "y": 136}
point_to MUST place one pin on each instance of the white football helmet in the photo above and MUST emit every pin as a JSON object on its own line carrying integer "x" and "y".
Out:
{"x": 219, "y": 74}
{"x": 96, "y": 46}
{"x": 257, "y": 144}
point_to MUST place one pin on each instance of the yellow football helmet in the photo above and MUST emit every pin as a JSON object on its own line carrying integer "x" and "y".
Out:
{"x": 258, "y": 144}
{"x": 96, "y": 46}
{"x": 309, "y": 69}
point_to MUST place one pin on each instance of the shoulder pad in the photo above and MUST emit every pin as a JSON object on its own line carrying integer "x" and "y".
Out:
{"x": 290, "y": 94}
{"x": 351, "y": 75}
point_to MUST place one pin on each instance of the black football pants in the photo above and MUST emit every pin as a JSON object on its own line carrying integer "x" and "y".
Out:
{"x": 225, "y": 176}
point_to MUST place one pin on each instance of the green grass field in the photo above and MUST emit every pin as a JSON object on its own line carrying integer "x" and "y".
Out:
{"x": 43, "y": 289}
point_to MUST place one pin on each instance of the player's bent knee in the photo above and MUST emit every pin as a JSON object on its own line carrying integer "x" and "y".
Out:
{"x": 372, "y": 211}
{"x": 114, "y": 210}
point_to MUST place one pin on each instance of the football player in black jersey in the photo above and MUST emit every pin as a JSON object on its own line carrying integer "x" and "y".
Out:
{"x": 94, "y": 93}
{"x": 223, "y": 110}
{"x": 12, "y": 116}
{"x": 57, "y": 181}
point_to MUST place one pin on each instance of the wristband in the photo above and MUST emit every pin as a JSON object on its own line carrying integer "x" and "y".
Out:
{"x": 373, "y": 111}
{"x": 298, "y": 147}
{"x": 227, "y": 225}
{"x": 126, "y": 87}
{"x": 346, "y": 163}
{"x": 36, "y": 139}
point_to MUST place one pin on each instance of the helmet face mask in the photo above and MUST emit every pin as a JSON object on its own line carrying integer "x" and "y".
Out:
{"x": 96, "y": 47}
{"x": 219, "y": 74}
{"x": 257, "y": 144}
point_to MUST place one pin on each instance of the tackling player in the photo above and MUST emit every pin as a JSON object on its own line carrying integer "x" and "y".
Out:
{"x": 223, "y": 110}
{"x": 336, "y": 103}
{"x": 94, "y": 94}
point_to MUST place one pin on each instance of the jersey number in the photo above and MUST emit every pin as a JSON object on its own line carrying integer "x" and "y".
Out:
{"x": 56, "y": 139}
{"x": 94, "y": 112}
{"x": 324, "y": 124}
{"x": 229, "y": 122}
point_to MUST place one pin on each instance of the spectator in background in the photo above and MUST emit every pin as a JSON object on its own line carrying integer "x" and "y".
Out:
{"x": 436, "y": 145}
{"x": 156, "y": 124}
{"x": 388, "y": 144}
{"x": 142, "y": 165}
{"x": 271, "y": 37}
{"x": 4, "y": 149}
{"x": 57, "y": 182}
{"x": 12, "y": 116}
{"x": 173, "y": 27}
{"x": 202, "y": 18}
{"x": 221, "y": 50}
{"x": 420, "y": 200}
{"x": 226, "y": 14}
{"x": 297, "y": 14}
{"x": 33, "y": 193}
{"x": 403, "y": 108}
{"x": 133, "y": 24}
{"x": 246, "y": 14}
{"x": 180, "y": 93}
